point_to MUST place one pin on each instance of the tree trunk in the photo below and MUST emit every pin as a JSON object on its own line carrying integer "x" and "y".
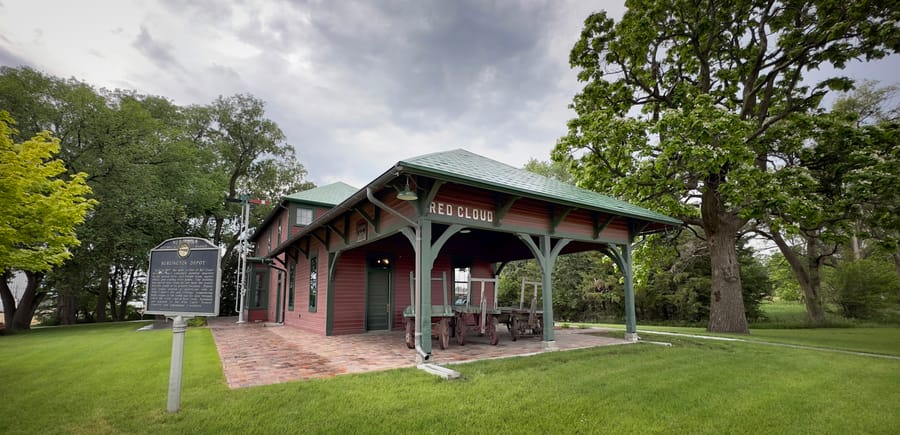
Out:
{"x": 808, "y": 277}
{"x": 854, "y": 247}
{"x": 9, "y": 301}
{"x": 126, "y": 296}
{"x": 896, "y": 256}
{"x": 102, "y": 297}
{"x": 217, "y": 233}
{"x": 66, "y": 308}
{"x": 726, "y": 306}
{"x": 31, "y": 298}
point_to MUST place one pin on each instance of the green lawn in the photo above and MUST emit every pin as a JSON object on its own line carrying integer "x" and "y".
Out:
{"x": 110, "y": 379}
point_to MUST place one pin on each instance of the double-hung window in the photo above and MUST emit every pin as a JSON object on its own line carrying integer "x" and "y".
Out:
{"x": 304, "y": 216}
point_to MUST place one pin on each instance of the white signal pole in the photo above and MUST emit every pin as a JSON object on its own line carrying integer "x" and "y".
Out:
{"x": 244, "y": 247}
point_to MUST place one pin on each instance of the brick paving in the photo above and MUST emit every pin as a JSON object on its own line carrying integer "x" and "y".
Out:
{"x": 253, "y": 354}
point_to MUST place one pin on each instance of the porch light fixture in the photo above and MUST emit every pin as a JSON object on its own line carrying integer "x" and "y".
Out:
{"x": 406, "y": 194}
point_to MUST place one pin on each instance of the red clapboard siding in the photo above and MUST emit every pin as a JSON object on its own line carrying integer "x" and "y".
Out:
{"x": 301, "y": 317}
{"x": 349, "y": 294}
{"x": 578, "y": 222}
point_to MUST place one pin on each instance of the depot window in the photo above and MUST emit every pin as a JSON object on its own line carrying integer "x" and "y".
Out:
{"x": 304, "y": 216}
{"x": 313, "y": 283}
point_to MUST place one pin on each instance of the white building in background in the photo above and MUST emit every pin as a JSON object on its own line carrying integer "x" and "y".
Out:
{"x": 17, "y": 285}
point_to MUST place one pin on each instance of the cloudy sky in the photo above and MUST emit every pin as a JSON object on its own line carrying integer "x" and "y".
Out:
{"x": 355, "y": 85}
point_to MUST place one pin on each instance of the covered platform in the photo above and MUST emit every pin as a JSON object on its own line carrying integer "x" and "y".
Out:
{"x": 253, "y": 354}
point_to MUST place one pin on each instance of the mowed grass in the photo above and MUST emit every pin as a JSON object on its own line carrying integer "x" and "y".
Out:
{"x": 111, "y": 379}
{"x": 786, "y": 323}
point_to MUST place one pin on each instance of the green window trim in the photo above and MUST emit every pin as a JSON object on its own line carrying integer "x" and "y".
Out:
{"x": 292, "y": 275}
{"x": 259, "y": 294}
{"x": 313, "y": 283}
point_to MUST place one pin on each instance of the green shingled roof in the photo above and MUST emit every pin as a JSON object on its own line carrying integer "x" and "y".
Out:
{"x": 328, "y": 195}
{"x": 470, "y": 167}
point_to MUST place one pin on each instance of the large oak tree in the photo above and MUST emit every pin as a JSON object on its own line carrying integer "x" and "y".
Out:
{"x": 680, "y": 101}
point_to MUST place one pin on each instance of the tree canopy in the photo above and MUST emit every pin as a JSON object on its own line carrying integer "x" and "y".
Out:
{"x": 38, "y": 214}
{"x": 683, "y": 99}
{"x": 40, "y": 210}
{"x": 157, "y": 170}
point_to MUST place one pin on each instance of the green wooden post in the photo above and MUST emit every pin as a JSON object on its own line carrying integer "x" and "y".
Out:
{"x": 426, "y": 263}
{"x": 630, "y": 317}
{"x": 546, "y": 264}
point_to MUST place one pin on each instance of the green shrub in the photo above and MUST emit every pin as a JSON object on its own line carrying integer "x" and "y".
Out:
{"x": 197, "y": 321}
{"x": 862, "y": 288}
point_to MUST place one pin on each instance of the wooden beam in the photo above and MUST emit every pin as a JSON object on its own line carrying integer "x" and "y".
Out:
{"x": 502, "y": 208}
{"x": 635, "y": 228}
{"x": 304, "y": 251}
{"x": 347, "y": 227}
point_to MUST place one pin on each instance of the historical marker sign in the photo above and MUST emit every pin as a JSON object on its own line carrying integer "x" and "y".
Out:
{"x": 184, "y": 278}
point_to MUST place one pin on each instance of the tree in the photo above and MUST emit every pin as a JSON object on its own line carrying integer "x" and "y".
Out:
{"x": 838, "y": 176}
{"x": 673, "y": 280}
{"x": 38, "y": 216}
{"x": 250, "y": 156}
{"x": 682, "y": 99}
{"x": 134, "y": 147}
{"x": 869, "y": 107}
{"x": 784, "y": 282}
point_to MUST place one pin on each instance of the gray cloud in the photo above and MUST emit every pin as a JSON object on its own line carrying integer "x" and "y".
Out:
{"x": 8, "y": 58}
{"x": 160, "y": 53}
{"x": 358, "y": 85}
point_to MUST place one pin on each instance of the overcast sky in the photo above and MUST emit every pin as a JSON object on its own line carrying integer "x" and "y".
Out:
{"x": 355, "y": 85}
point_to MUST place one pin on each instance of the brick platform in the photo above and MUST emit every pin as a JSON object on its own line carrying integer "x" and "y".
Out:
{"x": 253, "y": 354}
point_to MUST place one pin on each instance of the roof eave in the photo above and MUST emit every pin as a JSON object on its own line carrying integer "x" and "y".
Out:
{"x": 337, "y": 210}
{"x": 420, "y": 170}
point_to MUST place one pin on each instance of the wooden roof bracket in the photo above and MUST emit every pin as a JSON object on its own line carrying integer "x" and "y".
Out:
{"x": 325, "y": 240}
{"x": 432, "y": 193}
{"x": 600, "y": 225}
{"x": 557, "y": 218}
{"x": 373, "y": 220}
{"x": 371, "y": 196}
{"x": 503, "y": 208}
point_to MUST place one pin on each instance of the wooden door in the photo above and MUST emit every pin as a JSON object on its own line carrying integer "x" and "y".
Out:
{"x": 378, "y": 299}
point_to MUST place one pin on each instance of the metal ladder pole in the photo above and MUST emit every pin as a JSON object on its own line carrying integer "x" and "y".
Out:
{"x": 242, "y": 259}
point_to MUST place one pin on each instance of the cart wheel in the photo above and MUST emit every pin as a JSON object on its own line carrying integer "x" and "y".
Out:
{"x": 445, "y": 333}
{"x": 460, "y": 331}
{"x": 513, "y": 329}
{"x": 492, "y": 330}
{"x": 410, "y": 337}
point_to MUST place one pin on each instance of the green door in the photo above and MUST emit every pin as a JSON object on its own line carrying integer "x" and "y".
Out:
{"x": 378, "y": 299}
